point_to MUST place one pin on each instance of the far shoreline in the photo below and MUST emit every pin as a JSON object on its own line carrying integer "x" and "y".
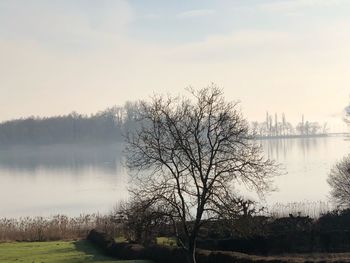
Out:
{"x": 299, "y": 136}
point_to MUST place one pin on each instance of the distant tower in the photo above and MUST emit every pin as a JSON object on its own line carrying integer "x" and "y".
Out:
{"x": 302, "y": 124}
{"x": 276, "y": 125}
{"x": 267, "y": 123}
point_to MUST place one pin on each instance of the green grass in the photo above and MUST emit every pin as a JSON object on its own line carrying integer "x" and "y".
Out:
{"x": 120, "y": 239}
{"x": 166, "y": 241}
{"x": 60, "y": 252}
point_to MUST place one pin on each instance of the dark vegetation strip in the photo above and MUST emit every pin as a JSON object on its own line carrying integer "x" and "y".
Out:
{"x": 161, "y": 254}
{"x": 264, "y": 236}
{"x": 168, "y": 254}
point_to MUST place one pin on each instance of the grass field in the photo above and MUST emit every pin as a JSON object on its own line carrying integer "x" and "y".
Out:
{"x": 83, "y": 251}
{"x": 166, "y": 241}
{"x": 49, "y": 252}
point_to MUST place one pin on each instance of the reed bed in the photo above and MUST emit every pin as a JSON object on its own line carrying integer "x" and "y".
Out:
{"x": 61, "y": 227}
{"x": 58, "y": 227}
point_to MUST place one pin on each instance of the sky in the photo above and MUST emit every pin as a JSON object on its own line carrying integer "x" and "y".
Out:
{"x": 290, "y": 56}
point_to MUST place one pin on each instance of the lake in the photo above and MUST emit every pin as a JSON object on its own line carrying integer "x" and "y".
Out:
{"x": 75, "y": 180}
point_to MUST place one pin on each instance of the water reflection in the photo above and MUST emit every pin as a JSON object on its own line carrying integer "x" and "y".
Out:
{"x": 61, "y": 179}
{"x": 307, "y": 162}
{"x": 66, "y": 157}
{"x": 281, "y": 149}
{"x": 85, "y": 179}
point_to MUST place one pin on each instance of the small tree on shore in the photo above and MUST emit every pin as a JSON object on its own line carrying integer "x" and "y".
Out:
{"x": 141, "y": 220}
{"x": 339, "y": 181}
{"x": 189, "y": 153}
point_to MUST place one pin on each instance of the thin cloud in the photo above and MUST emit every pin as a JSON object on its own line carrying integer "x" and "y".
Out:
{"x": 151, "y": 16}
{"x": 294, "y": 5}
{"x": 195, "y": 13}
{"x": 75, "y": 27}
{"x": 219, "y": 47}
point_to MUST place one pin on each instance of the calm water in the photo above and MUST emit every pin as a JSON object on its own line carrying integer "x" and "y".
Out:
{"x": 85, "y": 179}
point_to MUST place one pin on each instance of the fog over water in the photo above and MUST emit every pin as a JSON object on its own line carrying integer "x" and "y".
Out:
{"x": 71, "y": 180}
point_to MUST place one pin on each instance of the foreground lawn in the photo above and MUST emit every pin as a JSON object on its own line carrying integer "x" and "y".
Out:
{"x": 60, "y": 251}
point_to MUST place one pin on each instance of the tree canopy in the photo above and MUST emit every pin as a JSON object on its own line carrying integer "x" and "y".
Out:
{"x": 339, "y": 181}
{"x": 189, "y": 153}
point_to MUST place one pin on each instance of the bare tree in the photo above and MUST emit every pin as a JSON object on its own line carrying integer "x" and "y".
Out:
{"x": 339, "y": 181}
{"x": 188, "y": 154}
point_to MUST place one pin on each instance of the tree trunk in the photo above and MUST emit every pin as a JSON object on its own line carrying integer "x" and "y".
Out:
{"x": 191, "y": 254}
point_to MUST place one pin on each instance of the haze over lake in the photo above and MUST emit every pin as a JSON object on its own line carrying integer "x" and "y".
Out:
{"x": 70, "y": 179}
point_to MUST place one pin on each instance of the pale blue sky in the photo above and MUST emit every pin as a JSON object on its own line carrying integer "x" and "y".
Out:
{"x": 289, "y": 56}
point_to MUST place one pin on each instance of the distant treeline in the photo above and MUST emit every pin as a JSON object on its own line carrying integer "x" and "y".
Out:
{"x": 275, "y": 127}
{"x": 104, "y": 126}
{"x": 110, "y": 125}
